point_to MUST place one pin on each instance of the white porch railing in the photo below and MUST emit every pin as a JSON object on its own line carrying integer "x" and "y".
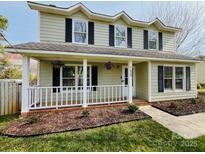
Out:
{"x": 56, "y": 97}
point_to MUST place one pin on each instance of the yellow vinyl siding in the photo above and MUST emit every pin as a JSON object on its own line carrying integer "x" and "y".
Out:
{"x": 172, "y": 95}
{"x": 45, "y": 73}
{"x": 142, "y": 80}
{"x": 52, "y": 29}
{"x": 201, "y": 72}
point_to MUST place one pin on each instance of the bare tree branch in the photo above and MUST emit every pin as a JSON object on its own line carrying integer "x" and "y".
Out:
{"x": 186, "y": 15}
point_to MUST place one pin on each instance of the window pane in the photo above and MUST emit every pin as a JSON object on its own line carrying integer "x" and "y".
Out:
{"x": 168, "y": 84}
{"x": 152, "y": 45}
{"x": 80, "y": 37}
{"x": 168, "y": 71}
{"x": 152, "y": 40}
{"x": 120, "y": 42}
{"x": 120, "y": 32}
{"x": 80, "y": 26}
{"x": 69, "y": 71}
{"x": 179, "y": 84}
{"x": 179, "y": 72}
{"x": 68, "y": 82}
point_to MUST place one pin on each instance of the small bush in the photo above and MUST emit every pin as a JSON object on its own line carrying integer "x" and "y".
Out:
{"x": 31, "y": 120}
{"x": 132, "y": 108}
{"x": 85, "y": 113}
{"x": 194, "y": 100}
{"x": 199, "y": 86}
{"x": 173, "y": 105}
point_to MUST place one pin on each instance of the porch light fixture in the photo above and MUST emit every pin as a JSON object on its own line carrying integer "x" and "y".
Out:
{"x": 109, "y": 65}
{"x": 58, "y": 63}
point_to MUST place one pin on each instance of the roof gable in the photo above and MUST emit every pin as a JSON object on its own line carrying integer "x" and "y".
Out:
{"x": 97, "y": 16}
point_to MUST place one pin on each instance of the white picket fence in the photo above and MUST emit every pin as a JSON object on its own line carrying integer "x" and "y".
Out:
{"x": 10, "y": 96}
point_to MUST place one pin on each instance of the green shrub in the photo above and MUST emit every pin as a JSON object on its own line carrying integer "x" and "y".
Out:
{"x": 85, "y": 113}
{"x": 132, "y": 107}
{"x": 31, "y": 120}
{"x": 199, "y": 86}
{"x": 173, "y": 104}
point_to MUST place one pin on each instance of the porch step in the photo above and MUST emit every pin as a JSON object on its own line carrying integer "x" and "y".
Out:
{"x": 140, "y": 102}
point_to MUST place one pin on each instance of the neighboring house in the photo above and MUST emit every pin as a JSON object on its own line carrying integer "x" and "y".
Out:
{"x": 201, "y": 71}
{"x": 87, "y": 58}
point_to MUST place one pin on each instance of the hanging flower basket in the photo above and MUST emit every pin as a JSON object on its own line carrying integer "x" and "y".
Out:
{"x": 109, "y": 65}
{"x": 58, "y": 63}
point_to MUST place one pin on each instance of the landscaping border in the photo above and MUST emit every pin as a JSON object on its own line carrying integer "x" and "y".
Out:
{"x": 76, "y": 129}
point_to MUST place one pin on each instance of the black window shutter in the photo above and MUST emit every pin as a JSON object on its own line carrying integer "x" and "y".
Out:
{"x": 145, "y": 39}
{"x": 188, "y": 79}
{"x": 94, "y": 77}
{"x": 160, "y": 79}
{"x": 68, "y": 30}
{"x": 111, "y": 35}
{"x": 90, "y": 32}
{"x": 56, "y": 78}
{"x": 160, "y": 41}
{"x": 129, "y": 37}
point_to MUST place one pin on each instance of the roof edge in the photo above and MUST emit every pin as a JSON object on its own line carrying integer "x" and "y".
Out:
{"x": 94, "y": 15}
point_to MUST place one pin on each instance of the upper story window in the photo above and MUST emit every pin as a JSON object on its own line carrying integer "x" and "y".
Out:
{"x": 80, "y": 31}
{"x": 152, "y": 40}
{"x": 120, "y": 36}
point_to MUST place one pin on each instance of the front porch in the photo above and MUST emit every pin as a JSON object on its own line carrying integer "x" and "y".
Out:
{"x": 111, "y": 86}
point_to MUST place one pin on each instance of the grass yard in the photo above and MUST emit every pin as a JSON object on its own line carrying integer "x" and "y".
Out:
{"x": 132, "y": 136}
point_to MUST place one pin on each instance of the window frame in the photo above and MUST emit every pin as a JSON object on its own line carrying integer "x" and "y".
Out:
{"x": 174, "y": 78}
{"x": 183, "y": 75}
{"x": 73, "y": 31}
{"x": 152, "y": 31}
{"x": 76, "y": 75}
{"x": 168, "y": 90}
{"x": 122, "y": 26}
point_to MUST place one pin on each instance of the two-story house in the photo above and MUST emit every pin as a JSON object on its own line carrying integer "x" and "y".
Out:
{"x": 86, "y": 58}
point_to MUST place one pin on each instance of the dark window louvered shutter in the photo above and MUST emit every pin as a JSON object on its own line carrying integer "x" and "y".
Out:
{"x": 145, "y": 35}
{"x": 160, "y": 79}
{"x": 188, "y": 79}
{"x": 129, "y": 37}
{"x": 94, "y": 77}
{"x": 160, "y": 41}
{"x": 68, "y": 30}
{"x": 56, "y": 78}
{"x": 111, "y": 35}
{"x": 90, "y": 32}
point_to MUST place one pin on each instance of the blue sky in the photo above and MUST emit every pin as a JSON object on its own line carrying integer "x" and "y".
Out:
{"x": 23, "y": 22}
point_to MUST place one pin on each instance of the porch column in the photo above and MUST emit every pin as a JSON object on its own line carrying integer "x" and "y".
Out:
{"x": 130, "y": 81}
{"x": 25, "y": 84}
{"x": 84, "y": 82}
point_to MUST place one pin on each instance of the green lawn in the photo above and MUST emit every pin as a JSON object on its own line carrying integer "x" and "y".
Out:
{"x": 133, "y": 136}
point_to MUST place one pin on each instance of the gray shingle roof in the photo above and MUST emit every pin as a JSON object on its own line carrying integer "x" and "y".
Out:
{"x": 92, "y": 49}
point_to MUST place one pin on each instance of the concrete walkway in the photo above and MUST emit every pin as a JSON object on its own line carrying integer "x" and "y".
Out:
{"x": 189, "y": 126}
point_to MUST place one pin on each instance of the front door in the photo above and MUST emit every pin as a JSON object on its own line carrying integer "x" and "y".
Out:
{"x": 125, "y": 80}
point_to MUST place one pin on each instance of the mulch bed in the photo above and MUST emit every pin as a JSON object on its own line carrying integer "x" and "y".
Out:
{"x": 182, "y": 107}
{"x": 55, "y": 122}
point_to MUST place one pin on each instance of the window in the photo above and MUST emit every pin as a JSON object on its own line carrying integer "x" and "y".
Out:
{"x": 72, "y": 75}
{"x": 168, "y": 78}
{"x": 80, "y": 31}
{"x": 120, "y": 36}
{"x": 179, "y": 77}
{"x": 152, "y": 40}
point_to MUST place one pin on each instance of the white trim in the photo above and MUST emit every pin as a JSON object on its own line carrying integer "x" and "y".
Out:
{"x": 84, "y": 82}
{"x": 130, "y": 72}
{"x": 122, "y": 26}
{"x": 73, "y": 28}
{"x": 23, "y": 51}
